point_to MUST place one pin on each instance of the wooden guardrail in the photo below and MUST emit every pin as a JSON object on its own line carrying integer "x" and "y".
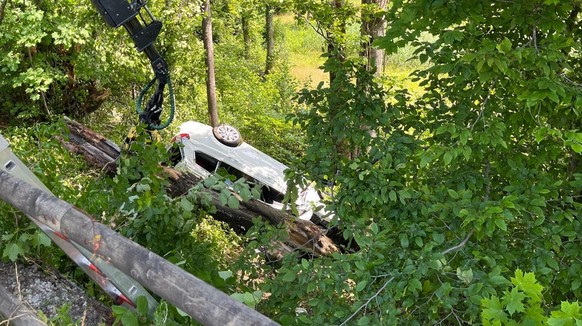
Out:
{"x": 201, "y": 301}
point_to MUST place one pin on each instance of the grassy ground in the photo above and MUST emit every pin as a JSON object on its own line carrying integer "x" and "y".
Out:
{"x": 304, "y": 47}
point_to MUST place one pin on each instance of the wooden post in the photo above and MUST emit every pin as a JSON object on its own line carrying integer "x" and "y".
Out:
{"x": 201, "y": 301}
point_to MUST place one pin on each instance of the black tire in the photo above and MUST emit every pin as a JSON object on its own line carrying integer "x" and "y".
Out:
{"x": 227, "y": 135}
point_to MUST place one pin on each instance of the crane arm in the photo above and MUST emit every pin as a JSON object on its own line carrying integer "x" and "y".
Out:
{"x": 143, "y": 31}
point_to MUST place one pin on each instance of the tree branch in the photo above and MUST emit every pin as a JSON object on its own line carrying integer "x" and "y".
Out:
{"x": 460, "y": 245}
{"x": 368, "y": 301}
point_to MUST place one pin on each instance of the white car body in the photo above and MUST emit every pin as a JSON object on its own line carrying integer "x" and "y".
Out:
{"x": 203, "y": 154}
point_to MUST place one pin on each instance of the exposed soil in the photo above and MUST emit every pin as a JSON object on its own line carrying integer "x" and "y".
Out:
{"x": 47, "y": 291}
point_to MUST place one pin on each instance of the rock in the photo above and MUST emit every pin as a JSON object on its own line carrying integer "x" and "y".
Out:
{"x": 48, "y": 291}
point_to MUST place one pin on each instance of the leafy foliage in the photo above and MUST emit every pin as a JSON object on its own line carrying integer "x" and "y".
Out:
{"x": 42, "y": 45}
{"x": 445, "y": 193}
{"x": 523, "y": 306}
{"x": 436, "y": 196}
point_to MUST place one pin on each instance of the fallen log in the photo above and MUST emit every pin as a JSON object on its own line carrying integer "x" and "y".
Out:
{"x": 103, "y": 153}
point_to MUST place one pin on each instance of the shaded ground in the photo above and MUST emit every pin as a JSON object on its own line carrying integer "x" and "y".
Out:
{"x": 48, "y": 291}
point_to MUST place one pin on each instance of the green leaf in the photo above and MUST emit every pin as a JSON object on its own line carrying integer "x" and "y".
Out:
{"x": 142, "y": 305}
{"x": 504, "y": 46}
{"x": 129, "y": 319}
{"x": 364, "y": 320}
{"x": 118, "y": 310}
{"x": 374, "y": 228}
{"x": 290, "y": 276}
{"x": 41, "y": 239}
{"x": 500, "y": 223}
{"x": 361, "y": 285}
{"x": 576, "y": 284}
{"x": 569, "y": 314}
{"x": 513, "y": 301}
{"x": 492, "y": 309}
{"x": 498, "y": 280}
{"x": 186, "y": 205}
{"x": 438, "y": 238}
{"x": 528, "y": 284}
{"x": 415, "y": 284}
{"x": 576, "y": 147}
{"x": 448, "y": 158}
{"x": 233, "y": 202}
{"x": 466, "y": 276}
{"x": 453, "y": 194}
{"x": 392, "y": 195}
{"x": 12, "y": 251}
{"x": 403, "y": 240}
{"x": 424, "y": 160}
{"x": 225, "y": 275}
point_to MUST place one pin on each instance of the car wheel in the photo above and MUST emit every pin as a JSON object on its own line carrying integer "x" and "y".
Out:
{"x": 228, "y": 135}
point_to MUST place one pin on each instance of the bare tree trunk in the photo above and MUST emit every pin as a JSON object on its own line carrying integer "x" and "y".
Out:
{"x": 373, "y": 27}
{"x": 333, "y": 48}
{"x": 210, "y": 77}
{"x": 246, "y": 35}
{"x": 270, "y": 39}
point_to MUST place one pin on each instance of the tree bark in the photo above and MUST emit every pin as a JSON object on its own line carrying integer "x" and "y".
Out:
{"x": 373, "y": 27}
{"x": 246, "y": 31}
{"x": 270, "y": 39}
{"x": 334, "y": 48}
{"x": 210, "y": 76}
{"x": 304, "y": 235}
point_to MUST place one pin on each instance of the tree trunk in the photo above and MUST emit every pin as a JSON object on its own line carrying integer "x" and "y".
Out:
{"x": 270, "y": 39}
{"x": 246, "y": 35}
{"x": 305, "y": 235}
{"x": 198, "y": 299}
{"x": 2, "y": 8}
{"x": 334, "y": 49}
{"x": 210, "y": 77}
{"x": 373, "y": 27}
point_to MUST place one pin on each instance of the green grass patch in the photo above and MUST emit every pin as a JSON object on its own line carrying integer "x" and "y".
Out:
{"x": 302, "y": 46}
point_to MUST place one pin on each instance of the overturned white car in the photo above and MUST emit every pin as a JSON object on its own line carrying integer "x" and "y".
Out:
{"x": 205, "y": 150}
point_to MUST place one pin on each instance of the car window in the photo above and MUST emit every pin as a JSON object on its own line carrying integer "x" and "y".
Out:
{"x": 208, "y": 162}
{"x": 268, "y": 195}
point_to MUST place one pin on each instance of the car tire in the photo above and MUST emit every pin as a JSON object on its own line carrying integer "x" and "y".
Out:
{"x": 227, "y": 135}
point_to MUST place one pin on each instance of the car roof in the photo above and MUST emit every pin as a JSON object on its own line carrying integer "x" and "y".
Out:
{"x": 244, "y": 157}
